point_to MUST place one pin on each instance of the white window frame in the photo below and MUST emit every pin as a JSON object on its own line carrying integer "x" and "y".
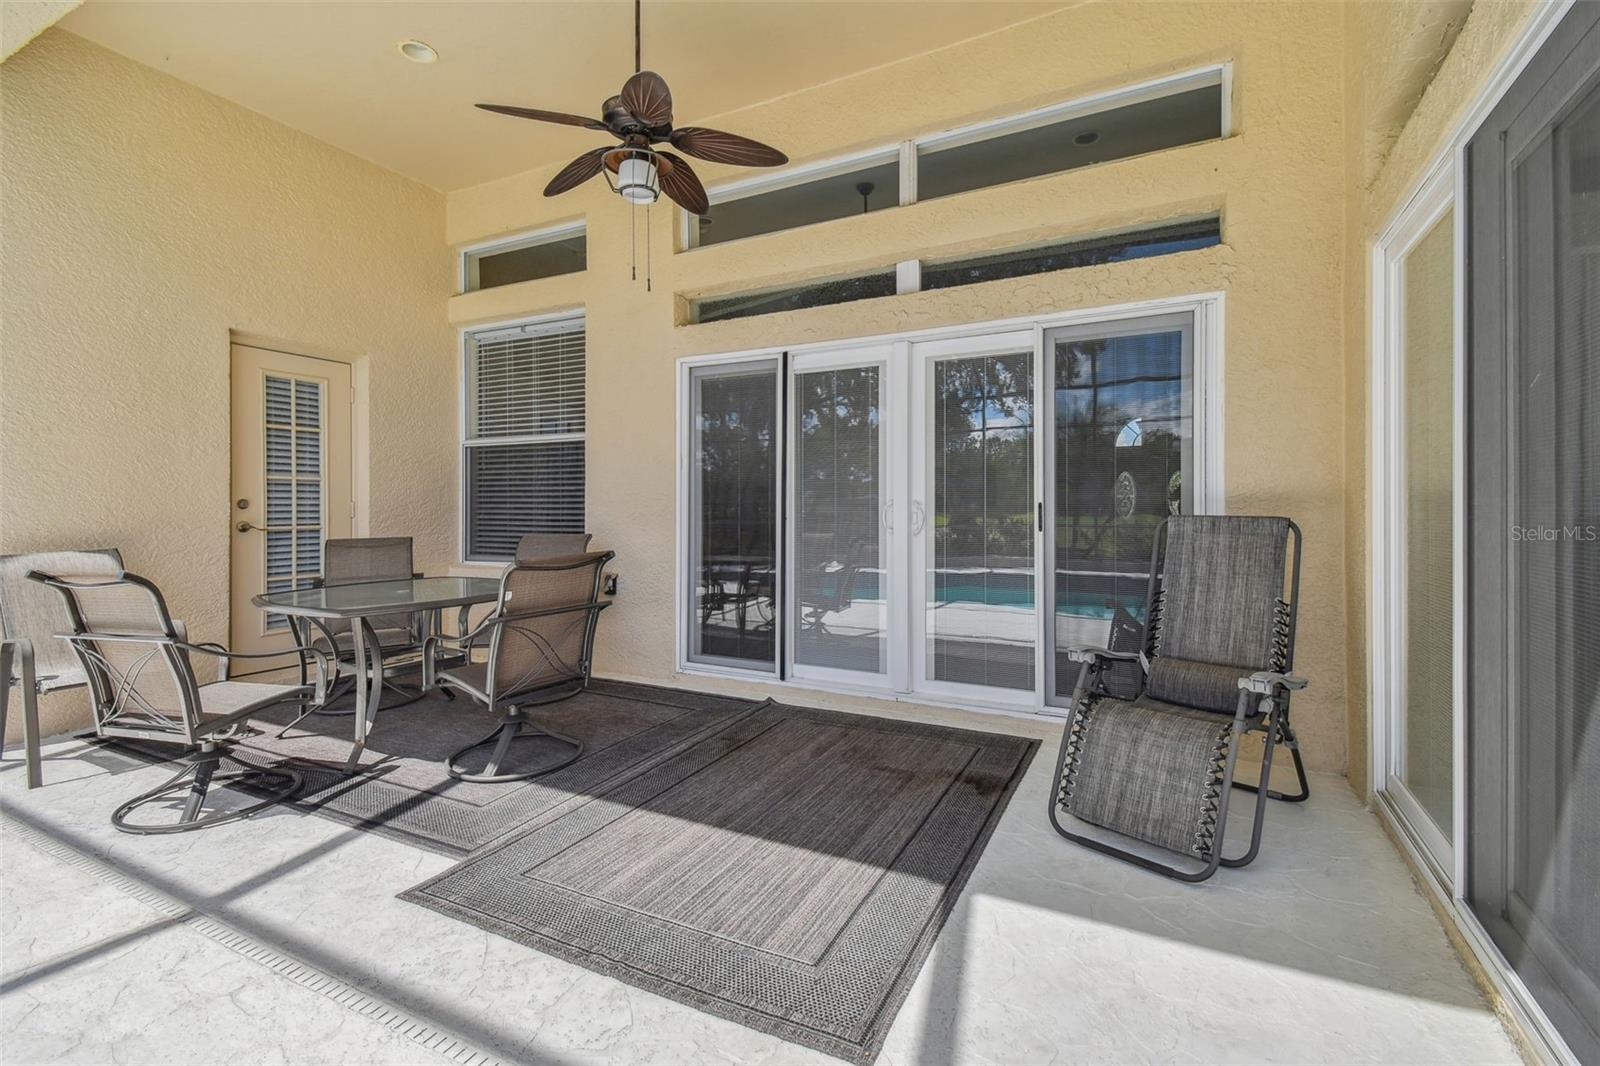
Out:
{"x": 1415, "y": 221}
{"x": 1208, "y": 309}
{"x": 467, "y": 255}
{"x": 554, "y": 322}
{"x": 1450, "y": 894}
{"x": 906, "y": 150}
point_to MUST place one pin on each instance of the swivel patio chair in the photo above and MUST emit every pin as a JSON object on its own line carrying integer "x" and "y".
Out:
{"x": 355, "y": 561}
{"x": 536, "y": 546}
{"x": 30, "y": 618}
{"x": 540, "y": 643}
{"x": 143, "y": 687}
{"x": 1158, "y": 765}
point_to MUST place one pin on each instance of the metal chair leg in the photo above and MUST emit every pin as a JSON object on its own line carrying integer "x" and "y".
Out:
{"x": 196, "y": 778}
{"x": 513, "y": 727}
{"x": 1292, "y": 742}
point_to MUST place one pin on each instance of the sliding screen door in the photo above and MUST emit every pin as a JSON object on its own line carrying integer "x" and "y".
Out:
{"x": 839, "y": 472}
{"x": 1120, "y": 460}
{"x": 1534, "y": 533}
{"x": 973, "y": 513}
{"x": 733, "y": 514}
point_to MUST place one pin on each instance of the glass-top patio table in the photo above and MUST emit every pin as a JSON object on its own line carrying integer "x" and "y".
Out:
{"x": 363, "y": 602}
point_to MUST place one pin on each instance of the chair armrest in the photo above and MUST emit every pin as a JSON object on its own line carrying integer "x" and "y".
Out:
{"x": 212, "y": 649}
{"x": 1266, "y": 682}
{"x": 1087, "y": 653}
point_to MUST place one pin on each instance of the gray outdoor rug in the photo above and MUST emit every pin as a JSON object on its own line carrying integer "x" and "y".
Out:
{"x": 405, "y": 793}
{"x": 787, "y": 868}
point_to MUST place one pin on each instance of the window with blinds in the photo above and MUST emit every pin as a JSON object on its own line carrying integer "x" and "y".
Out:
{"x": 523, "y": 456}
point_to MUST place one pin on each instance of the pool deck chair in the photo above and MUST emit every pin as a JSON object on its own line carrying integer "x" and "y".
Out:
{"x": 1218, "y": 649}
{"x": 143, "y": 687}
{"x": 540, "y": 643}
{"x": 30, "y": 655}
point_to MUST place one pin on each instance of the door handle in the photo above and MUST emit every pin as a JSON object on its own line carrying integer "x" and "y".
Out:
{"x": 245, "y": 527}
{"x": 888, "y": 516}
{"x": 919, "y": 518}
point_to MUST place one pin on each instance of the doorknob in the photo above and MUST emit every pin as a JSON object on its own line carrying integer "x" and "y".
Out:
{"x": 245, "y": 527}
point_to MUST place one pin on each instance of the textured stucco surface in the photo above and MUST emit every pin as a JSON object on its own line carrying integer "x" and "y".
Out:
{"x": 23, "y": 20}
{"x": 1279, "y": 182}
{"x": 1376, "y": 191}
{"x": 144, "y": 220}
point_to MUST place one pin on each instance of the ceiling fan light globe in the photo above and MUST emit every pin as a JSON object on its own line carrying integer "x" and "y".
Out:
{"x": 638, "y": 182}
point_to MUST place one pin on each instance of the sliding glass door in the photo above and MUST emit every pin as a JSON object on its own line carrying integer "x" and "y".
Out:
{"x": 891, "y": 516}
{"x": 1120, "y": 459}
{"x": 974, "y": 514}
{"x": 1534, "y": 528}
{"x": 841, "y": 439}
{"x": 733, "y": 514}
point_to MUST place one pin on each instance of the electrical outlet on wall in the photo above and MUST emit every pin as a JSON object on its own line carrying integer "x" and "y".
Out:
{"x": 609, "y": 586}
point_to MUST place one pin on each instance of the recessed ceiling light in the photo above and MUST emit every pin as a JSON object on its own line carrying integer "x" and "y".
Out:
{"x": 418, "y": 51}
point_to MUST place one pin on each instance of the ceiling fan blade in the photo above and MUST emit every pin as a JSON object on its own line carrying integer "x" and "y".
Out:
{"x": 648, "y": 99}
{"x": 717, "y": 147}
{"x": 577, "y": 172}
{"x": 559, "y": 117}
{"x": 679, "y": 182}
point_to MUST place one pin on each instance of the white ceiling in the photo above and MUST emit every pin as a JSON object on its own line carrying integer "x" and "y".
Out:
{"x": 332, "y": 69}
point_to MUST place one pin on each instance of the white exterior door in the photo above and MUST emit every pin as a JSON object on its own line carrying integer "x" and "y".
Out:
{"x": 291, "y": 483}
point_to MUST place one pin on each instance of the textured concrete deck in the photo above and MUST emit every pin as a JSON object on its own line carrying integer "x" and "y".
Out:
{"x": 279, "y": 939}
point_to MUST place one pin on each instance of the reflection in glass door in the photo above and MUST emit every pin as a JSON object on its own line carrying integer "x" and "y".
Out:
{"x": 733, "y": 514}
{"x": 973, "y": 515}
{"x": 838, "y": 613}
{"x": 1120, "y": 459}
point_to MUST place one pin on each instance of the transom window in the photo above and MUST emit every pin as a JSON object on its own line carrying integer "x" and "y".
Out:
{"x": 1183, "y": 109}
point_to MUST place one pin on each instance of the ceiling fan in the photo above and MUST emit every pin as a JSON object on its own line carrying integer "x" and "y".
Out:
{"x": 640, "y": 116}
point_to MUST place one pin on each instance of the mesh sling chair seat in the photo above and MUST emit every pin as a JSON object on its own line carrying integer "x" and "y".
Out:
{"x": 355, "y": 561}
{"x": 1155, "y": 761}
{"x": 137, "y": 662}
{"x": 540, "y": 643}
{"x": 30, "y": 617}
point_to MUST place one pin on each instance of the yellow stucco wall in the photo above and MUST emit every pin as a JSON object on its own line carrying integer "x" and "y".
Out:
{"x": 144, "y": 220}
{"x": 1279, "y": 182}
{"x": 1376, "y": 192}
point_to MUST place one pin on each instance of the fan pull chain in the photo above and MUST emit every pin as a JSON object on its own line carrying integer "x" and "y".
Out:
{"x": 633, "y": 241}
{"x": 646, "y": 247}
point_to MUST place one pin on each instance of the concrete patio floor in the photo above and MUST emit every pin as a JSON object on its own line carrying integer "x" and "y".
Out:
{"x": 279, "y": 939}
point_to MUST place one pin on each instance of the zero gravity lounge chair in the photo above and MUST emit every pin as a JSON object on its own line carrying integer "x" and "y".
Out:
{"x": 143, "y": 687}
{"x": 1218, "y": 649}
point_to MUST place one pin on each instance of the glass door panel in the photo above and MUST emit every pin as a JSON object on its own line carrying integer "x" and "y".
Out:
{"x": 974, "y": 514}
{"x": 1533, "y": 816}
{"x": 733, "y": 532}
{"x": 838, "y": 618}
{"x": 1422, "y": 762}
{"x": 1120, "y": 459}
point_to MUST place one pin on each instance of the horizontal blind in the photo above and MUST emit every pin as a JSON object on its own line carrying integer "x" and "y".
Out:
{"x": 524, "y": 461}
{"x": 523, "y": 384}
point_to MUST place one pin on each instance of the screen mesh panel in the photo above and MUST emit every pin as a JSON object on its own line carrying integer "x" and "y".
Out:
{"x": 1554, "y": 796}
{"x": 855, "y": 192}
{"x": 980, "y": 620}
{"x": 545, "y": 257}
{"x": 735, "y": 493}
